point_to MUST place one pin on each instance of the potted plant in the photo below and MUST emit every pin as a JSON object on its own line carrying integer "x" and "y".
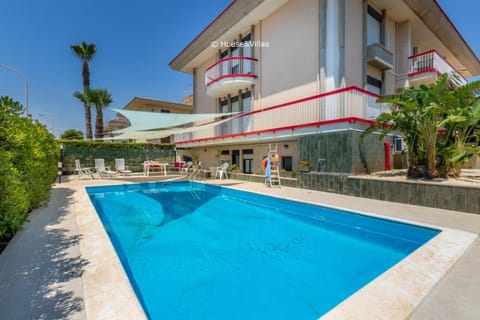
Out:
{"x": 218, "y": 154}
{"x": 195, "y": 158}
{"x": 235, "y": 168}
{"x": 304, "y": 166}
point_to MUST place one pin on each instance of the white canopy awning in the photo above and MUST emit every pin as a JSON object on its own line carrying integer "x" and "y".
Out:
{"x": 146, "y": 134}
{"x": 143, "y": 120}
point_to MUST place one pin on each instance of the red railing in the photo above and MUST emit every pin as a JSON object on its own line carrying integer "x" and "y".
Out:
{"x": 430, "y": 61}
{"x": 231, "y": 67}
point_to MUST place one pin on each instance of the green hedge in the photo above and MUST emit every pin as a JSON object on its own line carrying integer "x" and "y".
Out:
{"x": 28, "y": 166}
{"x": 133, "y": 153}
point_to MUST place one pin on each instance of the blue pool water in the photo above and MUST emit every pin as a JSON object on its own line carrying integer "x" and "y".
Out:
{"x": 195, "y": 251}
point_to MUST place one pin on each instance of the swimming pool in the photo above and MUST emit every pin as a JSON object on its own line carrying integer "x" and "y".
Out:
{"x": 196, "y": 251}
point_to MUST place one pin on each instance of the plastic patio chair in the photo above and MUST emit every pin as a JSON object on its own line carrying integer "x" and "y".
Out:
{"x": 188, "y": 166}
{"x": 82, "y": 171}
{"x": 121, "y": 167}
{"x": 222, "y": 171}
{"x": 102, "y": 170}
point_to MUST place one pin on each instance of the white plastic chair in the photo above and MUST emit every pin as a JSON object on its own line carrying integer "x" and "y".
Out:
{"x": 121, "y": 167}
{"x": 222, "y": 171}
{"x": 188, "y": 166}
{"x": 102, "y": 170}
{"x": 82, "y": 171}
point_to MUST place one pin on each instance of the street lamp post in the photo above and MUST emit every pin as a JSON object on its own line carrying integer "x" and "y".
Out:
{"x": 26, "y": 83}
{"x": 60, "y": 164}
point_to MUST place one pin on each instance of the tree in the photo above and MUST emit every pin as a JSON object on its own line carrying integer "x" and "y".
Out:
{"x": 402, "y": 118}
{"x": 460, "y": 126}
{"x": 72, "y": 134}
{"x": 420, "y": 113}
{"x": 86, "y": 52}
{"x": 99, "y": 98}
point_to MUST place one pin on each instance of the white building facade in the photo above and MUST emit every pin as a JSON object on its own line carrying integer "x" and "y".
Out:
{"x": 305, "y": 75}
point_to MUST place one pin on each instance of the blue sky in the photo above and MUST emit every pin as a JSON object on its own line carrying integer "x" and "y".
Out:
{"x": 135, "y": 41}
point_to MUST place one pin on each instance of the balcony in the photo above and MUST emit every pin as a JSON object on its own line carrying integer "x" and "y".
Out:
{"x": 334, "y": 110}
{"x": 379, "y": 57}
{"x": 230, "y": 75}
{"x": 425, "y": 67}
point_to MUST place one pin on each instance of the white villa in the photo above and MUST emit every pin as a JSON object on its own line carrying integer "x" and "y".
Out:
{"x": 306, "y": 74}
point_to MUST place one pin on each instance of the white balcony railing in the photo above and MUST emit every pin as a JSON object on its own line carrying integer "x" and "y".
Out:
{"x": 345, "y": 103}
{"x": 230, "y": 75}
{"x": 431, "y": 63}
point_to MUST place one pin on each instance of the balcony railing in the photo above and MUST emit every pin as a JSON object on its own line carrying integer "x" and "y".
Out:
{"x": 351, "y": 102}
{"x": 430, "y": 64}
{"x": 230, "y": 75}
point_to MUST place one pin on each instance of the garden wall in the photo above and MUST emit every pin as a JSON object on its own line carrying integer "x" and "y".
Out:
{"x": 133, "y": 153}
{"x": 422, "y": 193}
{"x": 344, "y": 151}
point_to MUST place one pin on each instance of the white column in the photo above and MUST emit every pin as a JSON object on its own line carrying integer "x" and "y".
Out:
{"x": 332, "y": 57}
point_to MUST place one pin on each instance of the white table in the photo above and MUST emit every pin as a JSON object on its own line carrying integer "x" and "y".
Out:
{"x": 149, "y": 166}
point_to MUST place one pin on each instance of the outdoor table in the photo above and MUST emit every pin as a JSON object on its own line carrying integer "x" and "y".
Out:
{"x": 147, "y": 166}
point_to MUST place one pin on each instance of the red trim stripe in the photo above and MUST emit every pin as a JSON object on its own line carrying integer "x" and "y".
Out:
{"x": 230, "y": 58}
{"x": 433, "y": 69}
{"x": 423, "y": 53}
{"x": 292, "y": 128}
{"x": 322, "y": 95}
{"x": 233, "y": 75}
{"x": 411, "y": 74}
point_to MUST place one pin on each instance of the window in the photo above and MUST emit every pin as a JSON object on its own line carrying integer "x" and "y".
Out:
{"x": 236, "y": 123}
{"x": 247, "y": 165}
{"x": 374, "y": 24}
{"x": 224, "y": 127}
{"x": 375, "y": 86}
{"x": 225, "y": 67}
{"x": 247, "y": 48}
{"x": 287, "y": 163}
{"x": 247, "y": 107}
{"x": 247, "y": 160}
{"x": 236, "y": 157}
{"x": 239, "y": 103}
{"x": 398, "y": 145}
{"x": 236, "y": 66}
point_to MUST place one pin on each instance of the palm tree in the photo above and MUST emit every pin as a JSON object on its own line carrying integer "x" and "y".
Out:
{"x": 100, "y": 98}
{"x": 86, "y": 52}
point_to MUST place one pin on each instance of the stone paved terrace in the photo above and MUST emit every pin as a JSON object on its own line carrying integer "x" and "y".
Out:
{"x": 62, "y": 266}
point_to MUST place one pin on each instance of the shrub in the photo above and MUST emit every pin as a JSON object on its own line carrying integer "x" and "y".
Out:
{"x": 27, "y": 168}
{"x": 133, "y": 153}
{"x": 13, "y": 203}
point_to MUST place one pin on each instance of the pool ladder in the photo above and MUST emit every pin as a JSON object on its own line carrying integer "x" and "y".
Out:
{"x": 193, "y": 175}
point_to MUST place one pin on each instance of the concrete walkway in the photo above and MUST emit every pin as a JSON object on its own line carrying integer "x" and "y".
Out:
{"x": 41, "y": 269}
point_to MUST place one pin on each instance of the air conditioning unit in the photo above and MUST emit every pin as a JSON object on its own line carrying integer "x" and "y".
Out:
{"x": 399, "y": 145}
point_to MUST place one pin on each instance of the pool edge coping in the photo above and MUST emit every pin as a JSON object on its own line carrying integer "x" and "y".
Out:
{"x": 104, "y": 279}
